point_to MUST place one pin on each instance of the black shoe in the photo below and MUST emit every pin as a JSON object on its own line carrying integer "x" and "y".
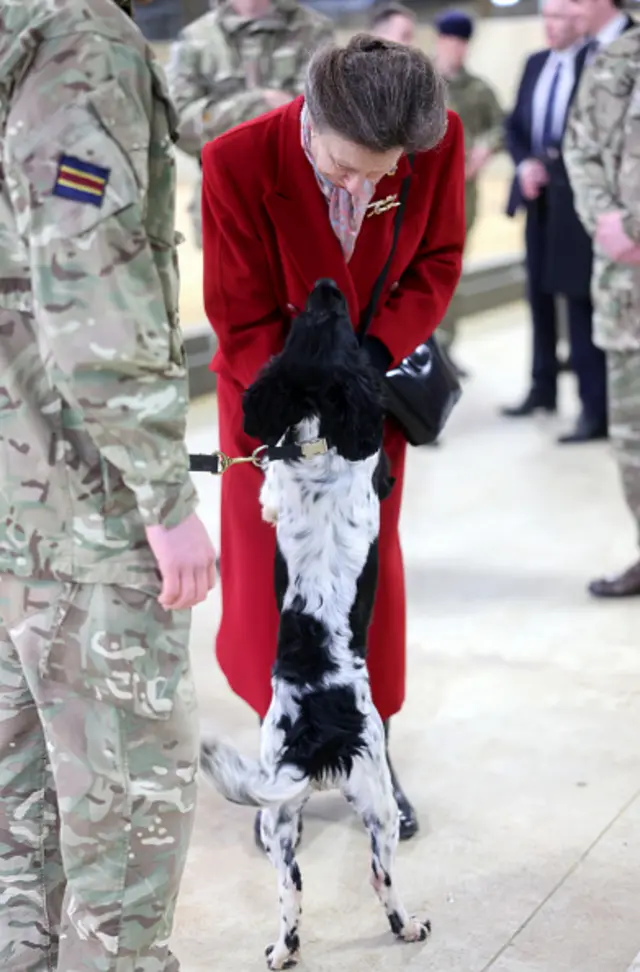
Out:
{"x": 586, "y": 430}
{"x": 533, "y": 402}
{"x": 258, "y": 836}
{"x": 409, "y": 825}
{"x": 626, "y": 584}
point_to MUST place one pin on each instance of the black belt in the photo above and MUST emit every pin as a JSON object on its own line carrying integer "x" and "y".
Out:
{"x": 217, "y": 463}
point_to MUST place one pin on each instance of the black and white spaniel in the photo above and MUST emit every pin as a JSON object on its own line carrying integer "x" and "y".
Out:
{"x": 322, "y": 730}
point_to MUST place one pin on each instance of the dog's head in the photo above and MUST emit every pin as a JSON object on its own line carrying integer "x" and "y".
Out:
{"x": 321, "y": 373}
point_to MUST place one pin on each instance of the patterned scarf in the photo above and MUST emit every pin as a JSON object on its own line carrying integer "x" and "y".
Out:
{"x": 346, "y": 212}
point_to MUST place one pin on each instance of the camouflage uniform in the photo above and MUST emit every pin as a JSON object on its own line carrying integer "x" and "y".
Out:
{"x": 98, "y": 736}
{"x": 601, "y": 150}
{"x": 474, "y": 100}
{"x": 222, "y": 61}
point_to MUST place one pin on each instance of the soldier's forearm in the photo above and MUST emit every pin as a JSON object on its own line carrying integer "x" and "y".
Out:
{"x": 137, "y": 423}
{"x": 223, "y": 115}
{"x": 118, "y": 361}
{"x": 191, "y": 127}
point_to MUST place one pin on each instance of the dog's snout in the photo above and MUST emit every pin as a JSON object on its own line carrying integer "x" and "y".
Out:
{"x": 326, "y": 297}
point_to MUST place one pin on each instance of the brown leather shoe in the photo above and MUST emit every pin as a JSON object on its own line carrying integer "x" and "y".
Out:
{"x": 626, "y": 584}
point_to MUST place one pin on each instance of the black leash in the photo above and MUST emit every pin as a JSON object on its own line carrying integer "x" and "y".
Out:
{"x": 217, "y": 463}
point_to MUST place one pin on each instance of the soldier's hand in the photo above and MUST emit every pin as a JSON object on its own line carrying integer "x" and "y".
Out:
{"x": 611, "y": 237}
{"x": 276, "y": 98}
{"x": 631, "y": 256}
{"x": 186, "y": 560}
{"x": 478, "y": 158}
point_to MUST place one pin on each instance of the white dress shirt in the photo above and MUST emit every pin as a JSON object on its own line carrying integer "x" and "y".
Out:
{"x": 542, "y": 92}
{"x": 612, "y": 30}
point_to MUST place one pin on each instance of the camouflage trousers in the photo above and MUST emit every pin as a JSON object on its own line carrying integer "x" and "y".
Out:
{"x": 98, "y": 758}
{"x": 623, "y": 372}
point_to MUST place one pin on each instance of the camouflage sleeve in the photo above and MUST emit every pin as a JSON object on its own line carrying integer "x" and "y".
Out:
{"x": 629, "y": 181}
{"x": 321, "y": 32}
{"x": 77, "y": 151}
{"x": 493, "y": 119}
{"x": 586, "y": 134}
{"x": 204, "y": 110}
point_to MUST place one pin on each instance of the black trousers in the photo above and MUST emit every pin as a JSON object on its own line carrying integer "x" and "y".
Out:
{"x": 587, "y": 361}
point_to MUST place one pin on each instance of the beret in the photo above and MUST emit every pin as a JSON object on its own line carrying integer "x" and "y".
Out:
{"x": 454, "y": 23}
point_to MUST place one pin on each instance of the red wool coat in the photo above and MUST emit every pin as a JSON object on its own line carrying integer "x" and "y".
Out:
{"x": 267, "y": 238}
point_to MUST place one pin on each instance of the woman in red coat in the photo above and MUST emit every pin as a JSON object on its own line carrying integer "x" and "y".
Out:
{"x": 291, "y": 197}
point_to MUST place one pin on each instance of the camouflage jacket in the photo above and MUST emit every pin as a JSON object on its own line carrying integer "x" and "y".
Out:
{"x": 93, "y": 389}
{"x": 601, "y": 151}
{"x": 221, "y": 61}
{"x": 475, "y": 101}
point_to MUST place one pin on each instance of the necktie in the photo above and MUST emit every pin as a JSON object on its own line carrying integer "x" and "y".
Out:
{"x": 548, "y": 128}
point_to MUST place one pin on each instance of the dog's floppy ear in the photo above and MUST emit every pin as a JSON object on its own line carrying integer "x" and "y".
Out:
{"x": 383, "y": 481}
{"x": 271, "y": 405}
{"x": 352, "y": 416}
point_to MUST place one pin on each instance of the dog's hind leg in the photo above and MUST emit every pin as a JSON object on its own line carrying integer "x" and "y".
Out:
{"x": 279, "y": 832}
{"x": 369, "y": 790}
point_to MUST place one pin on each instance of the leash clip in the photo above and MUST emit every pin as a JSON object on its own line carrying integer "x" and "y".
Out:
{"x": 224, "y": 462}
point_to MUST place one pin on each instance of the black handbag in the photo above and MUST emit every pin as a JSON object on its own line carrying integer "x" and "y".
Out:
{"x": 422, "y": 390}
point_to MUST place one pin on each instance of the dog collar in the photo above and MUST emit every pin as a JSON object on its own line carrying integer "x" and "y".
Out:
{"x": 217, "y": 463}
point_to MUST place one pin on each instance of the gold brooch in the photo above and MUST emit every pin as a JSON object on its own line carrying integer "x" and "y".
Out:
{"x": 382, "y": 205}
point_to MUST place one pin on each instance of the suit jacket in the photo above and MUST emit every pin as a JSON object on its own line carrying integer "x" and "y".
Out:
{"x": 566, "y": 247}
{"x": 267, "y": 238}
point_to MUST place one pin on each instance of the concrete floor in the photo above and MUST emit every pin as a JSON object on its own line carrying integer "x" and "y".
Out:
{"x": 519, "y": 741}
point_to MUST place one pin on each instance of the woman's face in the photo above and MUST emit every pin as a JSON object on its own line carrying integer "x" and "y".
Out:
{"x": 348, "y": 165}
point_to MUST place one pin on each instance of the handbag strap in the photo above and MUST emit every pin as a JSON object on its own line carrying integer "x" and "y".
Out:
{"x": 374, "y": 300}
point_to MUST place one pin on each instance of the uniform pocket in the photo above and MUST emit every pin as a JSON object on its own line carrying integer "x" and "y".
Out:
{"x": 116, "y": 645}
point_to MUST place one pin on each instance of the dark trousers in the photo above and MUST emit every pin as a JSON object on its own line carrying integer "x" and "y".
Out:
{"x": 587, "y": 361}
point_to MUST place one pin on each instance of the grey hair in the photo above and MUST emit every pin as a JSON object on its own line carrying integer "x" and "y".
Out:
{"x": 378, "y": 94}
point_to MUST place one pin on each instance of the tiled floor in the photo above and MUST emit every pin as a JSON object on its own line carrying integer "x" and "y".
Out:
{"x": 519, "y": 741}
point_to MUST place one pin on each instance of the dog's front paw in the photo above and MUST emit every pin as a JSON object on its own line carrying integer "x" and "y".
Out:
{"x": 415, "y": 931}
{"x": 270, "y": 515}
{"x": 279, "y": 956}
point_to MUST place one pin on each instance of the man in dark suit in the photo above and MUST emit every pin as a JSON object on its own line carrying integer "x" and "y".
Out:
{"x": 558, "y": 250}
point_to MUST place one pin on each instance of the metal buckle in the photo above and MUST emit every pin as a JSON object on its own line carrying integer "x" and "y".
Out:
{"x": 225, "y": 462}
{"x": 317, "y": 448}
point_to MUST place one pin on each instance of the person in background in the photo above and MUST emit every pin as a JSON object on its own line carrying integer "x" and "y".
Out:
{"x": 600, "y": 21}
{"x": 392, "y": 21}
{"x": 602, "y": 154}
{"x": 475, "y": 101}
{"x": 240, "y": 60}
{"x": 558, "y": 250}
{"x": 101, "y": 552}
{"x": 310, "y": 191}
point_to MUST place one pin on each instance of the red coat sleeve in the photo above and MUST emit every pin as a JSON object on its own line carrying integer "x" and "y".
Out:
{"x": 238, "y": 297}
{"x": 419, "y": 303}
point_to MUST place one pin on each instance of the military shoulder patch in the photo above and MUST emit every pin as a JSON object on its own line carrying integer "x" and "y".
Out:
{"x": 81, "y": 181}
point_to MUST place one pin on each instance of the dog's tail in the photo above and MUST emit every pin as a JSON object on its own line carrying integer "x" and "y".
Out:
{"x": 245, "y": 781}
